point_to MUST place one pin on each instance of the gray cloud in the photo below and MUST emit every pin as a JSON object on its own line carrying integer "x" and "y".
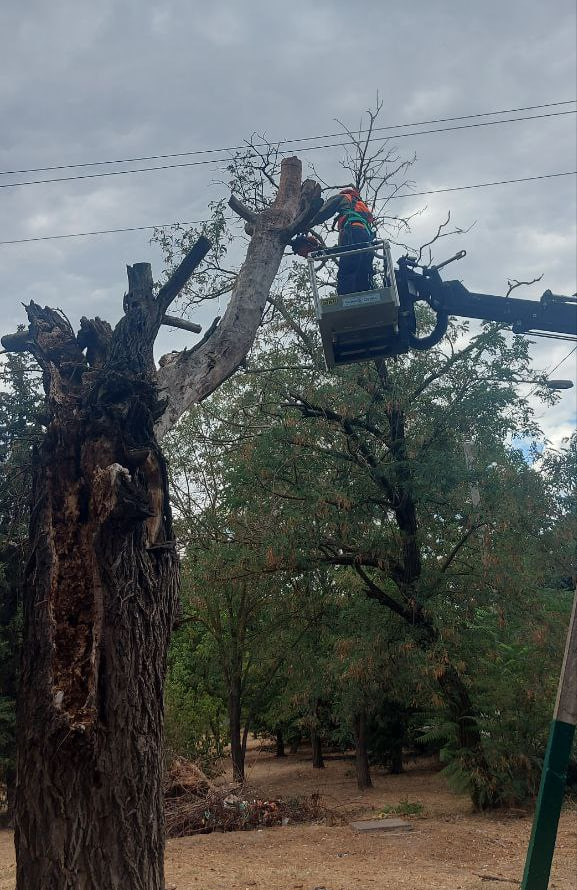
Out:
{"x": 83, "y": 82}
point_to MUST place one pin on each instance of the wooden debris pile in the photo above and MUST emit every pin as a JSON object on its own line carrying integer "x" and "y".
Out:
{"x": 195, "y": 805}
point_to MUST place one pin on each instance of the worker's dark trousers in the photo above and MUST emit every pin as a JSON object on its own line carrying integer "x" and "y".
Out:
{"x": 355, "y": 271}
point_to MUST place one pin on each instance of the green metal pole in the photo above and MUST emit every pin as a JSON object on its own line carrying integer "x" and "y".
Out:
{"x": 553, "y": 778}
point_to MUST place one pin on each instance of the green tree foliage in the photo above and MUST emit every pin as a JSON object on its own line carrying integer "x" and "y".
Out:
{"x": 237, "y": 633}
{"x": 19, "y": 430}
{"x": 361, "y": 475}
{"x": 299, "y": 491}
{"x": 195, "y": 703}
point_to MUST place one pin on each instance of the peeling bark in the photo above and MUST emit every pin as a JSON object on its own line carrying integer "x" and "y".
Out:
{"x": 101, "y": 593}
{"x": 189, "y": 377}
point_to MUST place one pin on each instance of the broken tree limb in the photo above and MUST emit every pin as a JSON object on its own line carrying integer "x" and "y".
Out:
{"x": 135, "y": 333}
{"x": 242, "y": 210}
{"x": 175, "y": 356}
{"x": 95, "y": 336}
{"x": 192, "y": 376}
{"x": 181, "y": 323}
{"x": 18, "y": 342}
{"x": 180, "y": 276}
{"x": 310, "y": 204}
{"x": 140, "y": 281}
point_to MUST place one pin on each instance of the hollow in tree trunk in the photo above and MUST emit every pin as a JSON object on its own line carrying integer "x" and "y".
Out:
{"x": 100, "y": 598}
{"x": 101, "y": 581}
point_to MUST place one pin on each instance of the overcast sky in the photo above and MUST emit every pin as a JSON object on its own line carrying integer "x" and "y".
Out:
{"x": 83, "y": 82}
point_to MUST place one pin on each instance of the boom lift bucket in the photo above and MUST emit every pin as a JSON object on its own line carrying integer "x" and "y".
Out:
{"x": 357, "y": 327}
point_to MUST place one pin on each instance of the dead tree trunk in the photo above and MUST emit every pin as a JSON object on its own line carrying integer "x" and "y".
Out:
{"x": 101, "y": 583}
{"x": 100, "y": 600}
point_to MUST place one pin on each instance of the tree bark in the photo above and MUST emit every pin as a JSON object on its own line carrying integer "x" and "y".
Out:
{"x": 100, "y": 599}
{"x": 361, "y": 752}
{"x": 316, "y": 743}
{"x": 101, "y": 585}
{"x": 237, "y": 749}
{"x": 11, "y": 559}
{"x": 279, "y": 743}
{"x": 295, "y": 744}
{"x": 189, "y": 377}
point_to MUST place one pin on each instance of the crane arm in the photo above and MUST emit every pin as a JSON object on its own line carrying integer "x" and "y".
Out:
{"x": 551, "y": 313}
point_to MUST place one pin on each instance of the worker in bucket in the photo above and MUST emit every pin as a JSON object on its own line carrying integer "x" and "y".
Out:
{"x": 354, "y": 222}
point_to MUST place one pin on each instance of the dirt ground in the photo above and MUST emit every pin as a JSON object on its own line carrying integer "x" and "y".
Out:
{"x": 449, "y": 848}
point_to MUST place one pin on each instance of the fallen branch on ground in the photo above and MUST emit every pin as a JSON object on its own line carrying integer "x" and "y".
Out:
{"x": 195, "y": 805}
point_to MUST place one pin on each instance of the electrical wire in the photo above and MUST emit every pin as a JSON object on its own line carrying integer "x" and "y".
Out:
{"x": 546, "y": 336}
{"x": 552, "y": 371}
{"x": 563, "y": 360}
{"x": 198, "y": 222}
{"x": 230, "y": 148}
{"x": 341, "y": 144}
{"x": 483, "y": 185}
{"x": 194, "y": 222}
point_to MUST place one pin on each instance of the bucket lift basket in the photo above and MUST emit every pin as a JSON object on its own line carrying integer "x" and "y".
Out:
{"x": 357, "y": 327}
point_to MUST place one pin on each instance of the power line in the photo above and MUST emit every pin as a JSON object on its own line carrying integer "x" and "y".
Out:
{"x": 341, "y": 144}
{"x": 230, "y": 148}
{"x": 552, "y": 371}
{"x": 197, "y": 222}
{"x": 230, "y": 219}
{"x": 563, "y": 360}
{"x": 483, "y": 185}
{"x": 194, "y": 222}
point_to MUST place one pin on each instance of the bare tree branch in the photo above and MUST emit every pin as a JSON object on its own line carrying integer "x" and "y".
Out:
{"x": 193, "y": 375}
{"x": 182, "y": 273}
{"x": 513, "y": 283}
{"x": 460, "y": 543}
{"x": 239, "y": 208}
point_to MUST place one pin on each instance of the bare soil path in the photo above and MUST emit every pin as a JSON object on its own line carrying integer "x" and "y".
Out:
{"x": 449, "y": 848}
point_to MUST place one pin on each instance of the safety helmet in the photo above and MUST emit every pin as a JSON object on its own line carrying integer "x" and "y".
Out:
{"x": 351, "y": 190}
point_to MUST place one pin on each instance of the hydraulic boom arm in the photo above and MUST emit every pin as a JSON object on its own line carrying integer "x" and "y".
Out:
{"x": 552, "y": 313}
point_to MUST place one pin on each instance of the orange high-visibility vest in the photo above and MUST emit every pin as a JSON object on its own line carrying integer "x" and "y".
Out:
{"x": 357, "y": 214}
